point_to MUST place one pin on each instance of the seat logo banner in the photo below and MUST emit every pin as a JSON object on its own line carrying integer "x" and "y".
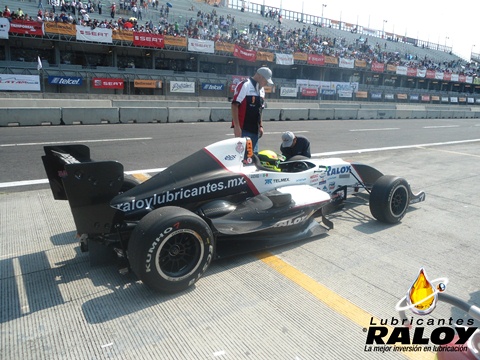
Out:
{"x": 85, "y": 33}
{"x": 205, "y": 46}
{"x": 107, "y": 83}
{"x": 65, "y": 80}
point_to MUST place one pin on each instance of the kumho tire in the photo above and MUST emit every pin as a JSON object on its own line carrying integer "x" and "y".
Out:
{"x": 389, "y": 199}
{"x": 170, "y": 249}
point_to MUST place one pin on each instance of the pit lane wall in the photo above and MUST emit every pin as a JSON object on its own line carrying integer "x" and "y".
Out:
{"x": 22, "y": 112}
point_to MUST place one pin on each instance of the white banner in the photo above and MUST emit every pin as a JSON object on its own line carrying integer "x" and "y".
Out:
{"x": 401, "y": 70}
{"x": 4, "y": 28}
{"x": 288, "y": 92}
{"x": 470, "y": 79}
{"x": 455, "y": 77}
{"x": 182, "y": 87}
{"x": 439, "y": 75}
{"x": 346, "y": 63}
{"x": 19, "y": 82}
{"x": 421, "y": 73}
{"x": 454, "y": 99}
{"x": 284, "y": 59}
{"x": 205, "y": 46}
{"x": 85, "y": 33}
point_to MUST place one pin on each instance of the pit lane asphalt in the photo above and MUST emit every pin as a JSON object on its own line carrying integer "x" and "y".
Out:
{"x": 308, "y": 300}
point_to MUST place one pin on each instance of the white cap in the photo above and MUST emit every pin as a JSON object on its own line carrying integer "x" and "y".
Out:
{"x": 266, "y": 73}
{"x": 287, "y": 139}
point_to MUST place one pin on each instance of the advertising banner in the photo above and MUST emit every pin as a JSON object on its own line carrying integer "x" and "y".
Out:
{"x": 265, "y": 56}
{"x": 60, "y": 28}
{"x": 392, "y": 68}
{"x": 455, "y": 77}
{"x": 411, "y": 72}
{"x": 402, "y": 96}
{"x": 309, "y": 92}
{"x": 430, "y": 74}
{"x": 401, "y": 70}
{"x": 361, "y": 64}
{"x": 284, "y": 59}
{"x": 175, "y": 41}
{"x": 421, "y": 73}
{"x": 107, "y": 83}
{"x": 147, "y": 84}
{"x": 300, "y": 56}
{"x": 447, "y": 76}
{"x": 204, "y": 46}
{"x": 225, "y": 47}
{"x": 389, "y": 96}
{"x": 426, "y": 98}
{"x": 288, "y": 92}
{"x": 361, "y": 94}
{"x": 101, "y": 35}
{"x": 182, "y": 87}
{"x": 149, "y": 40}
{"x": 331, "y": 60}
{"x": 247, "y": 55}
{"x": 65, "y": 80}
{"x": 439, "y": 75}
{"x": 414, "y": 97}
{"x": 454, "y": 100}
{"x": 346, "y": 63}
{"x": 314, "y": 59}
{"x": 27, "y": 27}
{"x": 12, "y": 82}
{"x": 122, "y": 35}
{"x": 435, "y": 98}
{"x": 376, "y": 96}
{"x": 212, "y": 87}
{"x": 4, "y": 28}
{"x": 377, "y": 66}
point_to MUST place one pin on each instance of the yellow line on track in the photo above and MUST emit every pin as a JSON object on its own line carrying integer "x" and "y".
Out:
{"x": 330, "y": 298}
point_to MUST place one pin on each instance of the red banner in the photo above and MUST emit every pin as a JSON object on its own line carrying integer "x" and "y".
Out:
{"x": 309, "y": 92}
{"x": 150, "y": 40}
{"x": 314, "y": 59}
{"x": 106, "y": 83}
{"x": 411, "y": 71}
{"x": 462, "y": 78}
{"x": 248, "y": 55}
{"x": 26, "y": 27}
{"x": 430, "y": 74}
{"x": 377, "y": 67}
{"x": 447, "y": 76}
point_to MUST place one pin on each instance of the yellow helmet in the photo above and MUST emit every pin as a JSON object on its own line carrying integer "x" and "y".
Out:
{"x": 270, "y": 159}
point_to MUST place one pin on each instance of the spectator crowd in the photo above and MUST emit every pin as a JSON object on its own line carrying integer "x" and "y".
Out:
{"x": 270, "y": 36}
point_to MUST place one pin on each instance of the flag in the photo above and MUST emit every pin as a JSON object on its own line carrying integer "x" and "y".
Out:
{"x": 39, "y": 66}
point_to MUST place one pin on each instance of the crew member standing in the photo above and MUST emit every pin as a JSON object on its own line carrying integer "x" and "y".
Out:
{"x": 247, "y": 106}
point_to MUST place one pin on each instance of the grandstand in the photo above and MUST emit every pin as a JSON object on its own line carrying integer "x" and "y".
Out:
{"x": 63, "y": 54}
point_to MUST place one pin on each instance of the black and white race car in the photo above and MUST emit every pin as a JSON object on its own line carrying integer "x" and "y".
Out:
{"x": 216, "y": 202}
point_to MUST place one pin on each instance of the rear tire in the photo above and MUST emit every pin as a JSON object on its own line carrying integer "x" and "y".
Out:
{"x": 389, "y": 199}
{"x": 170, "y": 249}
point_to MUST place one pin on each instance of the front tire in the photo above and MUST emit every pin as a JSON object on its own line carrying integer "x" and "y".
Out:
{"x": 170, "y": 249}
{"x": 389, "y": 199}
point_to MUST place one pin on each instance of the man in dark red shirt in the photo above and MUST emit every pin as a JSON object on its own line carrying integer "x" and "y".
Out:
{"x": 247, "y": 106}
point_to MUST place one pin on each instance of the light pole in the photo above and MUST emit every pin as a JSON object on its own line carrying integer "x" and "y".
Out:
{"x": 323, "y": 7}
{"x": 383, "y": 28}
{"x": 446, "y": 38}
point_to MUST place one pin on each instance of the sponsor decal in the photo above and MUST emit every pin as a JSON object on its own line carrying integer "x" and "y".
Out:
{"x": 429, "y": 334}
{"x": 65, "y": 80}
{"x": 240, "y": 148}
{"x": 230, "y": 157}
{"x": 182, "y": 86}
{"x": 338, "y": 170}
{"x": 212, "y": 87}
{"x": 291, "y": 222}
{"x": 180, "y": 194}
{"x": 331, "y": 185}
{"x": 105, "y": 83}
{"x": 276, "y": 181}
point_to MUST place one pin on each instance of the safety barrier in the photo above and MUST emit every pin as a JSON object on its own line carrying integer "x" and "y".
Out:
{"x": 143, "y": 115}
{"x": 294, "y": 114}
{"x": 188, "y": 114}
{"x": 52, "y": 103}
{"x": 30, "y": 116}
{"x": 321, "y": 114}
{"x": 79, "y": 116}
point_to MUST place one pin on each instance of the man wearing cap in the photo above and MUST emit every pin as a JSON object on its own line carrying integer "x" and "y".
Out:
{"x": 247, "y": 106}
{"x": 294, "y": 145}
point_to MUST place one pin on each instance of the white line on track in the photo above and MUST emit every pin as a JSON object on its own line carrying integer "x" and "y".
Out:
{"x": 74, "y": 142}
{"x": 440, "y": 126}
{"x": 379, "y": 129}
{"x": 359, "y": 151}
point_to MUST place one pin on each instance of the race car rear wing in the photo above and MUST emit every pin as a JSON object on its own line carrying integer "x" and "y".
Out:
{"x": 87, "y": 185}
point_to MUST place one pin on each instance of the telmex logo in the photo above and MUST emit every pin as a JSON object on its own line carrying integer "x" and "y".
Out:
{"x": 216, "y": 87}
{"x": 64, "y": 80}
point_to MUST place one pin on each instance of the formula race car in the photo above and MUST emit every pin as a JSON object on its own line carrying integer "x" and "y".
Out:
{"x": 217, "y": 202}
